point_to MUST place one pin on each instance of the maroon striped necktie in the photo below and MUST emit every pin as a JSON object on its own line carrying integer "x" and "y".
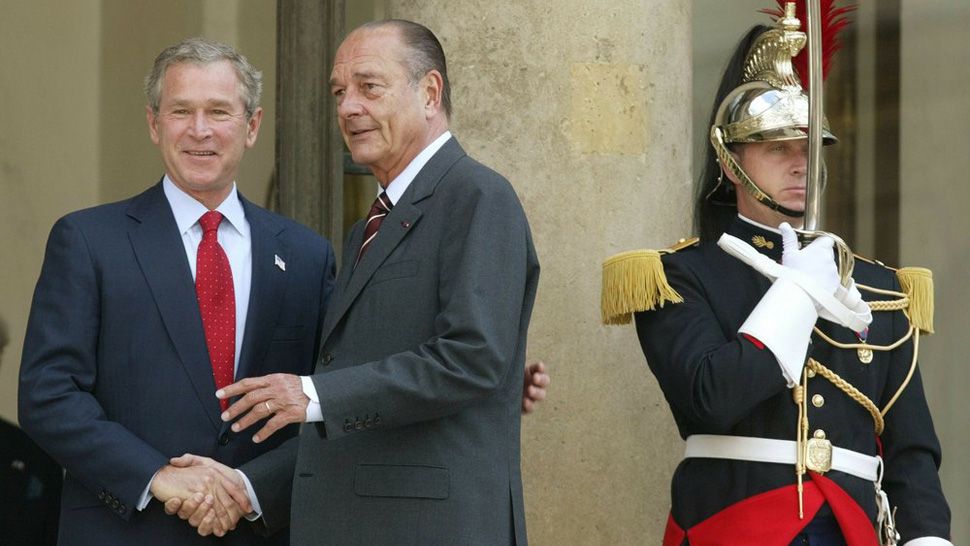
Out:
{"x": 217, "y": 301}
{"x": 382, "y": 205}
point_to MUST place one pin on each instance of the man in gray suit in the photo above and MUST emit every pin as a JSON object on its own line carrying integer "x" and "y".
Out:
{"x": 414, "y": 403}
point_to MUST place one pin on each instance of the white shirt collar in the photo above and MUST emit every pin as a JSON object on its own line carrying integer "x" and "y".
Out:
{"x": 401, "y": 182}
{"x": 760, "y": 225}
{"x": 187, "y": 210}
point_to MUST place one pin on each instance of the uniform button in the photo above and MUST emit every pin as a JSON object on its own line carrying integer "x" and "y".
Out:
{"x": 819, "y": 434}
{"x": 818, "y": 400}
{"x": 377, "y": 418}
{"x": 101, "y": 495}
{"x": 122, "y": 508}
{"x": 224, "y": 439}
{"x": 358, "y": 424}
{"x": 327, "y": 358}
{"x": 115, "y": 504}
{"x": 368, "y": 422}
{"x": 348, "y": 426}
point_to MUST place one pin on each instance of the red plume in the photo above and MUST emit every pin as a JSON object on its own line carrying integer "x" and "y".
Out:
{"x": 834, "y": 19}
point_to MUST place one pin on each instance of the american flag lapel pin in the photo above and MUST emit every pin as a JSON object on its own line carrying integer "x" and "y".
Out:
{"x": 279, "y": 262}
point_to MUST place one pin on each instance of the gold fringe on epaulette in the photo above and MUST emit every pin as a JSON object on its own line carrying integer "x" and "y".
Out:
{"x": 634, "y": 281}
{"x": 917, "y": 283}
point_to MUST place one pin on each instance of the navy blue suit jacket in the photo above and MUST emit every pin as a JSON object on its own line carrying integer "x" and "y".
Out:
{"x": 115, "y": 377}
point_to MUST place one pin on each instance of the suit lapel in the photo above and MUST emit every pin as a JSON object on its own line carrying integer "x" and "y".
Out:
{"x": 355, "y": 239}
{"x": 158, "y": 247}
{"x": 397, "y": 224}
{"x": 343, "y": 279}
{"x": 266, "y": 291}
{"x": 402, "y": 218}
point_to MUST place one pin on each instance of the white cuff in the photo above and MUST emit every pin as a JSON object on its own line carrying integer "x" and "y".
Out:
{"x": 257, "y": 509}
{"x": 146, "y": 495}
{"x": 314, "y": 413}
{"x": 928, "y": 541}
{"x": 783, "y": 321}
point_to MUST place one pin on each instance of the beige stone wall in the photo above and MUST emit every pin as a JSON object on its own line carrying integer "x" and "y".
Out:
{"x": 49, "y": 147}
{"x": 585, "y": 107}
{"x": 934, "y": 200}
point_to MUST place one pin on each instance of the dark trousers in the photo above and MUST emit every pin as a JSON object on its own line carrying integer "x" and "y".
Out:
{"x": 821, "y": 531}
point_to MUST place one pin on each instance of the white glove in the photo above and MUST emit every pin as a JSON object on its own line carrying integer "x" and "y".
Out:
{"x": 850, "y": 297}
{"x": 852, "y": 300}
{"x": 784, "y": 317}
{"x": 816, "y": 261}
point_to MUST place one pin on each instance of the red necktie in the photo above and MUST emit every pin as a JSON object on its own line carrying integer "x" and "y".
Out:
{"x": 217, "y": 301}
{"x": 382, "y": 205}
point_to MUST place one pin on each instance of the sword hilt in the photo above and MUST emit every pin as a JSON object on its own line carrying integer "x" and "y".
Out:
{"x": 844, "y": 253}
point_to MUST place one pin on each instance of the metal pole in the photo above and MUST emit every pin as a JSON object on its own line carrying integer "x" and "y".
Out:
{"x": 813, "y": 193}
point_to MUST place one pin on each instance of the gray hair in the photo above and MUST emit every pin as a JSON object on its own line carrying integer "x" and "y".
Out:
{"x": 205, "y": 51}
{"x": 425, "y": 55}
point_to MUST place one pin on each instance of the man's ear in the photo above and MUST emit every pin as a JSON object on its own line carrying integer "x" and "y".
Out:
{"x": 252, "y": 127}
{"x": 152, "y": 119}
{"x": 433, "y": 86}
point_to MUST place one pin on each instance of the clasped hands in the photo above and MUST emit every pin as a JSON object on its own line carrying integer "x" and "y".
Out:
{"x": 211, "y": 496}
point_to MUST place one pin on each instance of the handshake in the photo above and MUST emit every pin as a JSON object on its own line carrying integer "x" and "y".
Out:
{"x": 209, "y": 495}
{"x": 212, "y": 496}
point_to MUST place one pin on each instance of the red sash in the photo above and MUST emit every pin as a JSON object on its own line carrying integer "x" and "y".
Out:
{"x": 771, "y": 518}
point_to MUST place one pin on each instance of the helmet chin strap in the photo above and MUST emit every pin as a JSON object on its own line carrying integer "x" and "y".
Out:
{"x": 724, "y": 155}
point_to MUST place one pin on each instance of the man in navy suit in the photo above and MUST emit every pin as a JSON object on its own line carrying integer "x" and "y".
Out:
{"x": 116, "y": 375}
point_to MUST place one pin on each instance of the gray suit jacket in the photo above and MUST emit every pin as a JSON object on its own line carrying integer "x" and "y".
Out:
{"x": 419, "y": 376}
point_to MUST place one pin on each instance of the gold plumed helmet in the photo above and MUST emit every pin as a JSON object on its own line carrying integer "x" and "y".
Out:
{"x": 770, "y": 104}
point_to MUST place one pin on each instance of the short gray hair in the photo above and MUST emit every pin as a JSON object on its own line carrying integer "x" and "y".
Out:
{"x": 204, "y": 51}
{"x": 425, "y": 55}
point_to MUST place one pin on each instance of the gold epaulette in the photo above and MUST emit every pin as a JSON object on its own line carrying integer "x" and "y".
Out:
{"x": 917, "y": 284}
{"x": 635, "y": 281}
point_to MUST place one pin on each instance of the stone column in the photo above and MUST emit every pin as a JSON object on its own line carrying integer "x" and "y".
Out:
{"x": 309, "y": 162}
{"x": 585, "y": 107}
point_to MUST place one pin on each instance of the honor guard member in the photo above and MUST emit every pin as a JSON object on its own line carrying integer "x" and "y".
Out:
{"x": 796, "y": 388}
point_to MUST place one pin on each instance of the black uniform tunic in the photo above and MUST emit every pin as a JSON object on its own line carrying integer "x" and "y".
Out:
{"x": 718, "y": 382}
